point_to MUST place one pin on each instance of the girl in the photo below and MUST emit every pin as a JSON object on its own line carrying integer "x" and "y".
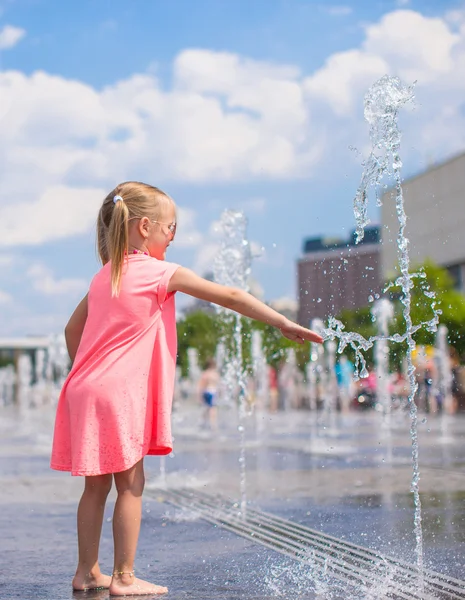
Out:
{"x": 115, "y": 405}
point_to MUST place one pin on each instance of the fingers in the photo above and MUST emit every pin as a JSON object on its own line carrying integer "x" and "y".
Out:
{"x": 305, "y": 335}
{"x": 311, "y": 336}
{"x": 300, "y": 334}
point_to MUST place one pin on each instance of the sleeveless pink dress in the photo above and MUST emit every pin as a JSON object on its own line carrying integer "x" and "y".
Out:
{"x": 115, "y": 405}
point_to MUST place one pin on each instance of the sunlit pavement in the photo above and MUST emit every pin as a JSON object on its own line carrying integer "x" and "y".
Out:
{"x": 346, "y": 475}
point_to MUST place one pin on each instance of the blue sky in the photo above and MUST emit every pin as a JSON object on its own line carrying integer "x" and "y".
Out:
{"x": 224, "y": 104}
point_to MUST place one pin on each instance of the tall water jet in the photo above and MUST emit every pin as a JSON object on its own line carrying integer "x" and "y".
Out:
{"x": 261, "y": 378}
{"x": 444, "y": 369}
{"x": 382, "y": 103}
{"x": 288, "y": 379}
{"x": 383, "y": 312}
{"x": 442, "y": 383}
{"x": 232, "y": 267}
{"x": 7, "y": 385}
{"x": 24, "y": 380}
{"x": 318, "y": 372}
{"x": 331, "y": 391}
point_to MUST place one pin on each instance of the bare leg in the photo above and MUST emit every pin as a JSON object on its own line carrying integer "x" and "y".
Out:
{"x": 213, "y": 418}
{"x": 89, "y": 526}
{"x": 126, "y": 527}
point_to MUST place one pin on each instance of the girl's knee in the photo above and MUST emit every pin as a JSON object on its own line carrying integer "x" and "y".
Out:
{"x": 99, "y": 484}
{"x": 132, "y": 480}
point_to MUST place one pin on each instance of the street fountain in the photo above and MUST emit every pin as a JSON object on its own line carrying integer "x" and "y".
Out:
{"x": 443, "y": 381}
{"x": 232, "y": 267}
{"x": 331, "y": 565}
{"x": 288, "y": 380}
{"x": 261, "y": 380}
{"x": 383, "y": 312}
{"x": 382, "y": 104}
{"x": 7, "y": 385}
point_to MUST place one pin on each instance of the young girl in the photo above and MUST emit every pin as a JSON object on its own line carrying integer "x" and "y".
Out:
{"x": 115, "y": 405}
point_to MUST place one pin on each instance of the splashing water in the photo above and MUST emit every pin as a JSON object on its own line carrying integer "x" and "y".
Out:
{"x": 296, "y": 579}
{"x": 382, "y": 103}
{"x": 383, "y": 312}
{"x": 232, "y": 267}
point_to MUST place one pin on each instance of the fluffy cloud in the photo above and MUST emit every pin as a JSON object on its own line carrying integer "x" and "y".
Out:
{"x": 225, "y": 118}
{"x": 418, "y": 48}
{"x": 187, "y": 235}
{"x": 43, "y": 281}
{"x": 58, "y": 212}
{"x": 10, "y": 36}
{"x": 5, "y": 298}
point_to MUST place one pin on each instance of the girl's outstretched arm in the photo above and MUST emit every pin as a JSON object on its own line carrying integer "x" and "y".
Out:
{"x": 185, "y": 280}
{"x": 75, "y": 327}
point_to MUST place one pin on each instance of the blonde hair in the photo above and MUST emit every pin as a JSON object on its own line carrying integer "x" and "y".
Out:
{"x": 138, "y": 200}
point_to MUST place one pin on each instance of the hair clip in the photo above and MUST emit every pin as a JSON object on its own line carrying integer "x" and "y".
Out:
{"x": 116, "y": 198}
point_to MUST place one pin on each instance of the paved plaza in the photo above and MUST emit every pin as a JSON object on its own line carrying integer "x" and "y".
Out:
{"x": 347, "y": 476}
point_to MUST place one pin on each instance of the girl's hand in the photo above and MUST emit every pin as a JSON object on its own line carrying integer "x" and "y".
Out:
{"x": 299, "y": 334}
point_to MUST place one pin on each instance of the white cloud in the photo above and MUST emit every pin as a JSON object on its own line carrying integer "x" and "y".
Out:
{"x": 10, "y": 36}
{"x": 6, "y": 260}
{"x": 187, "y": 235}
{"x": 58, "y": 212}
{"x": 226, "y": 118}
{"x": 456, "y": 16}
{"x": 44, "y": 282}
{"x": 5, "y": 298}
{"x": 417, "y": 47}
{"x": 205, "y": 257}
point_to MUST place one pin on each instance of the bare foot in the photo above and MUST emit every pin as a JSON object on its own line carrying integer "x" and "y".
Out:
{"x": 124, "y": 585}
{"x": 88, "y": 581}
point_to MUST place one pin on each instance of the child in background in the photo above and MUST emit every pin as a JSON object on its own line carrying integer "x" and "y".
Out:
{"x": 115, "y": 405}
{"x": 208, "y": 388}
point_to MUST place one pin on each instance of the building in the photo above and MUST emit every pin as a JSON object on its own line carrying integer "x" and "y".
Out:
{"x": 435, "y": 207}
{"x": 11, "y": 348}
{"x": 335, "y": 274}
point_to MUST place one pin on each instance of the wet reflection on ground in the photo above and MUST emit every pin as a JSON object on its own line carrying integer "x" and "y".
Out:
{"x": 350, "y": 480}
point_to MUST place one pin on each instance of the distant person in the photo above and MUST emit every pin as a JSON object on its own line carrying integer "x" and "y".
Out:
{"x": 345, "y": 382}
{"x": 115, "y": 404}
{"x": 399, "y": 388}
{"x": 274, "y": 390}
{"x": 208, "y": 388}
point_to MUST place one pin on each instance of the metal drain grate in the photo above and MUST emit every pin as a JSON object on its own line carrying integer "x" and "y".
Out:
{"x": 342, "y": 560}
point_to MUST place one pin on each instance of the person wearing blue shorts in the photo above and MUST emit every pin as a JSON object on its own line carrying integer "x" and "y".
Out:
{"x": 208, "y": 388}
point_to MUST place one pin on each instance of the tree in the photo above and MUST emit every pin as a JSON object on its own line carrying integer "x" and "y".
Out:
{"x": 198, "y": 330}
{"x": 436, "y": 281}
{"x": 203, "y": 330}
{"x": 450, "y": 301}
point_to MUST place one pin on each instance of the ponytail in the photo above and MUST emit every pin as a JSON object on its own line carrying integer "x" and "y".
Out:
{"x": 118, "y": 243}
{"x": 129, "y": 200}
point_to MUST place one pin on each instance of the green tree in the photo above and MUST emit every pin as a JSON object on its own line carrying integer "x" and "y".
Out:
{"x": 436, "y": 281}
{"x": 200, "y": 330}
{"x": 450, "y": 301}
{"x": 203, "y": 330}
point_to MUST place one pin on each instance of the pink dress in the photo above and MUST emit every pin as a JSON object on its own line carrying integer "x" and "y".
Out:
{"x": 115, "y": 405}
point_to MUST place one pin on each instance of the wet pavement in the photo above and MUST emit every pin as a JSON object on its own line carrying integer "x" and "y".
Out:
{"x": 349, "y": 477}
